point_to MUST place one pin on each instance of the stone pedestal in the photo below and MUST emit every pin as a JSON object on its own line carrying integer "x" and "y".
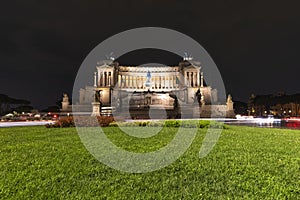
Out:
{"x": 205, "y": 111}
{"x": 196, "y": 111}
{"x": 96, "y": 109}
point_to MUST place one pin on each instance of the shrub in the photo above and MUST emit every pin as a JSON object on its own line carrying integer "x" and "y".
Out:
{"x": 204, "y": 124}
{"x": 105, "y": 120}
{"x": 143, "y": 123}
{"x": 156, "y": 123}
{"x": 62, "y": 122}
{"x": 172, "y": 123}
{"x": 190, "y": 124}
{"x": 82, "y": 121}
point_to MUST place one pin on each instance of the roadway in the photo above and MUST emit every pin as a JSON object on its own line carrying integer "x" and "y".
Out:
{"x": 27, "y": 123}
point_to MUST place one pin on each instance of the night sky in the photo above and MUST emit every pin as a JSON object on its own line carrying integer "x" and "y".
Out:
{"x": 255, "y": 44}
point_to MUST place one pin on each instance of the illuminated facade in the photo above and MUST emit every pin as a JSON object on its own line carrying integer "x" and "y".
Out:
{"x": 139, "y": 88}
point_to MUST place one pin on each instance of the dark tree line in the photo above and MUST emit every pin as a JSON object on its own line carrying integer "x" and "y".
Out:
{"x": 272, "y": 100}
{"x": 8, "y": 103}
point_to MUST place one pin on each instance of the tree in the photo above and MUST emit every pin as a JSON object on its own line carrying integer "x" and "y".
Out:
{"x": 6, "y": 103}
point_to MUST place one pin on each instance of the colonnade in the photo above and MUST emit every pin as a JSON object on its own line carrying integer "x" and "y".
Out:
{"x": 157, "y": 82}
{"x": 192, "y": 79}
{"x": 106, "y": 78}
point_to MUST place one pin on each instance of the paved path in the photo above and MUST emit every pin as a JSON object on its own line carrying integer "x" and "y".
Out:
{"x": 34, "y": 123}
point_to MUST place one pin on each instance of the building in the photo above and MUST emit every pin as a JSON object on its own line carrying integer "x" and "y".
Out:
{"x": 180, "y": 90}
{"x": 279, "y": 105}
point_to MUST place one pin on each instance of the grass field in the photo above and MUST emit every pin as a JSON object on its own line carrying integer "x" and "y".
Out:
{"x": 246, "y": 163}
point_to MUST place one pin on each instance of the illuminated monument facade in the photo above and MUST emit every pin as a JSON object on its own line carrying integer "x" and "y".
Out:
{"x": 179, "y": 90}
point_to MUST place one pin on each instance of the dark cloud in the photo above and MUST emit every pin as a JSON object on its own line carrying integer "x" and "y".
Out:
{"x": 255, "y": 44}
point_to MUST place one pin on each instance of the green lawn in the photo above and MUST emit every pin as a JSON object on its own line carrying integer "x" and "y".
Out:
{"x": 246, "y": 163}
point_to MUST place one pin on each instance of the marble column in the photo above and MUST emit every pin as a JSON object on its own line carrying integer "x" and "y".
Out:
{"x": 174, "y": 81}
{"x": 103, "y": 78}
{"x": 134, "y": 81}
{"x": 166, "y": 82}
{"x": 112, "y": 78}
{"x": 106, "y": 78}
{"x": 95, "y": 79}
{"x": 188, "y": 78}
{"x": 144, "y": 81}
{"x": 159, "y": 82}
{"x": 109, "y": 78}
{"x": 125, "y": 81}
{"x": 119, "y": 80}
{"x": 129, "y": 81}
{"x": 99, "y": 78}
{"x": 198, "y": 79}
